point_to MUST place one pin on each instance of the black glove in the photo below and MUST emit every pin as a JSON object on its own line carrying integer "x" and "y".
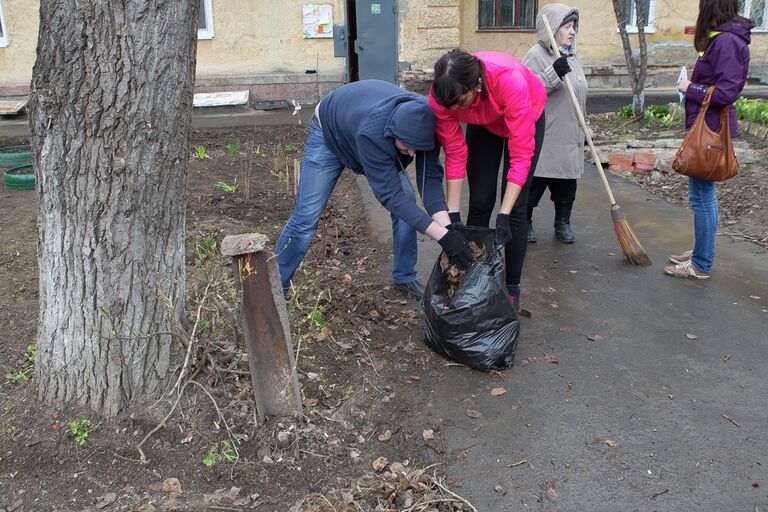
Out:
{"x": 455, "y": 247}
{"x": 503, "y": 229}
{"x": 456, "y": 223}
{"x": 561, "y": 67}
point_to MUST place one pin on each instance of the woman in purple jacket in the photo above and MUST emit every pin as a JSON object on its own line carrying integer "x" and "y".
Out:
{"x": 722, "y": 39}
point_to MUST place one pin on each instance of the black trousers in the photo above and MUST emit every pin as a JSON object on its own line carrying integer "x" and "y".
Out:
{"x": 486, "y": 154}
{"x": 562, "y": 191}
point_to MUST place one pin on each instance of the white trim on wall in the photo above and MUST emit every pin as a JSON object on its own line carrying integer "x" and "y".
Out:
{"x": 206, "y": 10}
{"x": 3, "y": 28}
{"x": 755, "y": 10}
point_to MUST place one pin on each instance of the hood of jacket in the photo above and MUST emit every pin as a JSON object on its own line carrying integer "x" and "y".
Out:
{"x": 739, "y": 27}
{"x": 412, "y": 122}
{"x": 555, "y": 14}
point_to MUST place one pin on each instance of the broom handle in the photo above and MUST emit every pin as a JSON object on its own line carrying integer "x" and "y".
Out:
{"x": 580, "y": 115}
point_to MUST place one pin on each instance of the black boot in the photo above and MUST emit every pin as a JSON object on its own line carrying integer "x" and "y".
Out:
{"x": 563, "y": 222}
{"x": 531, "y": 232}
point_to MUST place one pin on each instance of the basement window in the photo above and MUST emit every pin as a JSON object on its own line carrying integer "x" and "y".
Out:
{"x": 755, "y": 10}
{"x": 507, "y": 15}
{"x": 205, "y": 20}
{"x": 650, "y": 8}
{"x": 3, "y": 28}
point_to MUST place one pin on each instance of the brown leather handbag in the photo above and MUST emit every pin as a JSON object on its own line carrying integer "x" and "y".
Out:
{"x": 705, "y": 154}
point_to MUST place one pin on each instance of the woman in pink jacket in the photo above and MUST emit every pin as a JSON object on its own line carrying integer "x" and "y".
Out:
{"x": 502, "y": 103}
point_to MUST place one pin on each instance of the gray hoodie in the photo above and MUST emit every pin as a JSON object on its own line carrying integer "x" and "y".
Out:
{"x": 562, "y": 153}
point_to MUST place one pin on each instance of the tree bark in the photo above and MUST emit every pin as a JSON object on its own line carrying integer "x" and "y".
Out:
{"x": 637, "y": 71}
{"x": 110, "y": 114}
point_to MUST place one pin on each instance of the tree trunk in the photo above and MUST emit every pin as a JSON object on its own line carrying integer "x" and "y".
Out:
{"x": 110, "y": 114}
{"x": 636, "y": 71}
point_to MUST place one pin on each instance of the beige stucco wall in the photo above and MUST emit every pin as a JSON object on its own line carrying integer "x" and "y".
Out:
{"x": 16, "y": 61}
{"x": 428, "y": 28}
{"x": 264, "y": 37}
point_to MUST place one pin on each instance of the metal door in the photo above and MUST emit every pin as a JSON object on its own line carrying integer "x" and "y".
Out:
{"x": 376, "y": 42}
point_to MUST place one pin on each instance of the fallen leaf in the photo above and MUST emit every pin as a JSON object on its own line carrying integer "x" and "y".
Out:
{"x": 374, "y": 314}
{"x": 498, "y": 391}
{"x": 462, "y": 454}
{"x": 312, "y": 402}
{"x": 365, "y": 332}
{"x": 380, "y": 463}
{"x": 525, "y": 313}
{"x": 414, "y": 378}
{"x": 727, "y": 358}
{"x": 106, "y": 500}
{"x": 551, "y": 358}
{"x": 347, "y": 279}
{"x": 594, "y": 337}
{"x": 498, "y": 489}
{"x": 428, "y": 435}
{"x": 472, "y": 413}
{"x": 690, "y": 336}
{"x": 611, "y": 443}
{"x": 530, "y": 360}
{"x": 756, "y": 297}
{"x": 386, "y": 436}
{"x": 573, "y": 271}
{"x": 659, "y": 493}
{"x": 552, "y": 495}
{"x": 755, "y": 485}
{"x": 171, "y": 485}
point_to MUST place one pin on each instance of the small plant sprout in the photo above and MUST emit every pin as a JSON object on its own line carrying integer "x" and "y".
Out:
{"x": 228, "y": 452}
{"x": 200, "y": 153}
{"x": 81, "y": 429}
{"x": 626, "y": 111}
{"x": 316, "y": 319}
{"x": 226, "y": 187}
{"x": 234, "y": 148}
{"x": 290, "y": 147}
{"x": 30, "y": 355}
{"x": 212, "y": 457}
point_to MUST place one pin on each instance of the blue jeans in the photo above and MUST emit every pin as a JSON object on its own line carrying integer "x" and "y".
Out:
{"x": 703, "y": 199}
{"x": 320, "y": 170}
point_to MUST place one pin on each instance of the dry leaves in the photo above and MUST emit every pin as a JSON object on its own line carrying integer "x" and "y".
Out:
{"x": 594, "y": 337}
{"x": 551, "y": 358}
{"x": 690, "y": 336}
{"x": 380, "y": 463}
{"x": 611, "y": 443}
{"x": 428, "y": 435}
{"x": 386, "y": 436}
{"x": 498, "y": 391}
{"x": 472, "y": 413}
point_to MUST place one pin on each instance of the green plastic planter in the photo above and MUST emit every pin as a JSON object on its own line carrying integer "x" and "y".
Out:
{"x": 21, "y": 177}
{"x": 14, "y": 156}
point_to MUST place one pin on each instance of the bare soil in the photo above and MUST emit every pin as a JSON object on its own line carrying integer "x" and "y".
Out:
{"x": 364, "y": 442}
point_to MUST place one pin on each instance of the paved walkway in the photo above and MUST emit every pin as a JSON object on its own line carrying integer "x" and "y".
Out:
{"x": 658, "y": 396}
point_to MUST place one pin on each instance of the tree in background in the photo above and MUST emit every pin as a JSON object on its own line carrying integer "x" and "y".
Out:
{"x": 637, "y": 68}
{"x": 110, "y": 113}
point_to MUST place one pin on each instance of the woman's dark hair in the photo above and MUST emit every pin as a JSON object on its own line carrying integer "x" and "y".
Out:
{"x": 456, "y": 73}
{"x": 711, "y": 14}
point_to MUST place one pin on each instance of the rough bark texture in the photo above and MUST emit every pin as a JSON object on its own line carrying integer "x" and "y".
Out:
{"x": 110, "y": 108}
{"x": 637, "y": 71}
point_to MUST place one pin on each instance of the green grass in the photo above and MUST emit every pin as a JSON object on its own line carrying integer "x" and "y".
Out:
{"x": 755, "y": 111}
{"x": 81, "y": 430}
{"x": 201, "y": 153}
{"x": 234, "y": 148}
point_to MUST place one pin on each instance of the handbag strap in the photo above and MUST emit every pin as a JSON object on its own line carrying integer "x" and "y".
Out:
{"x": 707, "y": 98}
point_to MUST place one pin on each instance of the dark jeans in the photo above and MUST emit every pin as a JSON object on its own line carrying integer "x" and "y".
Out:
{"x": 486, "y": 152}
{"x": 561, "y": 191}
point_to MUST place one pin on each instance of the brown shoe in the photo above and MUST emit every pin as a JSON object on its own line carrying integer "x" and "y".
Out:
{"x": 685, "y": 269}
{"x": 680, "y": 258}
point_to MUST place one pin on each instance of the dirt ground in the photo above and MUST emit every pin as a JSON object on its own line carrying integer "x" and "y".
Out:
{"x": 364, "y": 444}
{"x": 742, "y": 200}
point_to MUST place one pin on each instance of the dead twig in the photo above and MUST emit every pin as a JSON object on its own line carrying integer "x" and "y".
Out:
{"x": 659, "y": 493}
{"x": 191, "y": 339}
{"x": 730, "y": 419}
{"x": 451, "y": 493}
{"x": 516, "y": 464}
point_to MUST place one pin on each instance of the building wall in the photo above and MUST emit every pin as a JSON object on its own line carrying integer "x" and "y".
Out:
{"x": 22, "y": 18}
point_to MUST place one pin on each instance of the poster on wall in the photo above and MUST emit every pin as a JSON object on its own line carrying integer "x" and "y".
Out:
{"x": 318, "y": 20}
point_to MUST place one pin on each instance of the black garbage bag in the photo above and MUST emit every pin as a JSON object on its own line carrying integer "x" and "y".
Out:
{"x": 477, "y": 326}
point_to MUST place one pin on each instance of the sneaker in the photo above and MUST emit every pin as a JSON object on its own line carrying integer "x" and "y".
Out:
{"x": 677, "y": 259}
{"x": 685, "y": 269}
{"x": 414, "y": 288}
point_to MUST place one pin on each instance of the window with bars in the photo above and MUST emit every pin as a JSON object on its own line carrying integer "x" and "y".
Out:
{"x": 755, "y": 10}
{"x": 631, "y": 10}
{"x": 3, "y": 29}
{"x": 507, "y": 14}
{"x": 205, "y": 20}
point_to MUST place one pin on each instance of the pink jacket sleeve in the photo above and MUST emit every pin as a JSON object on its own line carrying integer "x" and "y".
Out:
{"x": 514, "y": 98}
{"x": 451, "y": 137}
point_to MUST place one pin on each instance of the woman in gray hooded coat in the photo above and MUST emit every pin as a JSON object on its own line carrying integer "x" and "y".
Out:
{"x": 562, "y": 155}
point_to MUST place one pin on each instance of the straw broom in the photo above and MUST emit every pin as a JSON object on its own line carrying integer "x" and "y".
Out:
{"x": 630, "y": 245}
